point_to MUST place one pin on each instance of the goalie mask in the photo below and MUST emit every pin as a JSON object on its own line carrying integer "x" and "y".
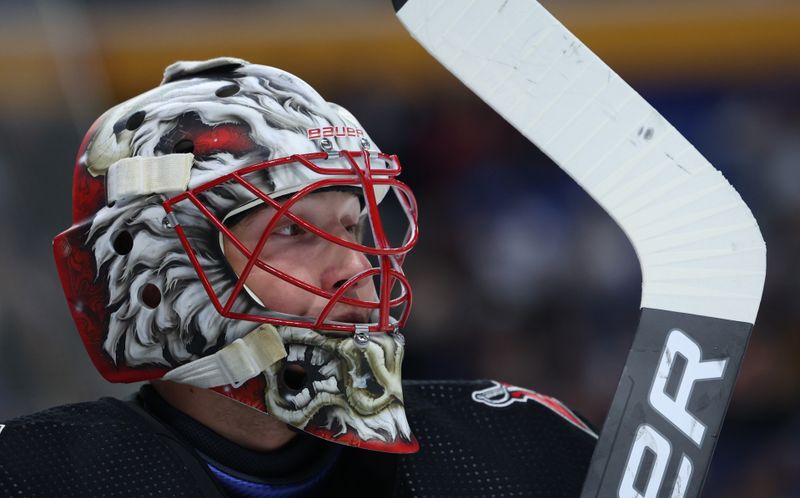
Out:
{"x": 228, "y": 233}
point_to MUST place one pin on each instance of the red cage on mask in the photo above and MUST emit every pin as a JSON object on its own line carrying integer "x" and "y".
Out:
{"x": 359, "y": 173}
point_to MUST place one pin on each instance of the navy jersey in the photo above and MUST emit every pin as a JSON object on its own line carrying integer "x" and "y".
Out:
{"x": 477, "y": 439}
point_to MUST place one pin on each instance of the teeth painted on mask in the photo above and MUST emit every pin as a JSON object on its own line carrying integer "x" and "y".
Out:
{"x": 338, "y": 420}
{"x": 360, "y": 381}
{"x": 319, "y": 356}
{"x": 339, "y": 364}
{"x": 300, "y": 399}
{"x": 294, "y": 335}
{"x": 296, "y": 353}
{"x": 399, "y": 415}
{"x": 326, "y": 386}
{"x": 362, "y": 426}
{"x": 329, "y": 369}
{"x": 384, "y": 421}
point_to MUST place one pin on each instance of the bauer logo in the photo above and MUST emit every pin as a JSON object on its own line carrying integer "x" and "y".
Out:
{"x": 333, "y": 131}
{"x": 500, "y": 395}
{"x": 656, "y": 444}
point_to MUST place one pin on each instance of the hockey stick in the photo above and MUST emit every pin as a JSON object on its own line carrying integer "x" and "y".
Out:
{"x": 702, "y": 256}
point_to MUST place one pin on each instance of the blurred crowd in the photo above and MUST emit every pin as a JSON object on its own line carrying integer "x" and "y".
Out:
{"x": 519, "y": 275}
{"x": 522, "y": 277}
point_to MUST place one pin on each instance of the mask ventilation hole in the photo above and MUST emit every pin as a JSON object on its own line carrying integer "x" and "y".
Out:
{"x": 151, "y": 296}
{"x": 185, "y": 146}
{"x": 294, "y": 376}
{"x": 227, "y": 90}
{"x": 135, "y": 120}
{"x": 123, "y": 243}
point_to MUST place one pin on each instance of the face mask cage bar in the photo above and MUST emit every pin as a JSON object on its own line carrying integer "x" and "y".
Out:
{"x": 353, "y": 169}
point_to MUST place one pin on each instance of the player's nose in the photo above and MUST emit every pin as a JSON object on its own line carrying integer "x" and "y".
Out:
{"x": 343, "y": 264}
{"x": 346, "y": 264}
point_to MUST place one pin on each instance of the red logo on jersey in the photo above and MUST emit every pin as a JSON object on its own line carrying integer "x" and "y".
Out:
{"x": 333, "y": 131}
{"x": 501, "y": 395}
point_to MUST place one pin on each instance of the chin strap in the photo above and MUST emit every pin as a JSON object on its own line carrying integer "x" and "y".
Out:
{"x": 234, "y": 364}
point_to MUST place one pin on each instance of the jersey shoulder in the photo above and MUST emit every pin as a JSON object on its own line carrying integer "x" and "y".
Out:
{"x": 503, "y": 394}
{"x": 100, "y": 448}
{"x": 493, "y": 436}
{"x": 492, "y": 398}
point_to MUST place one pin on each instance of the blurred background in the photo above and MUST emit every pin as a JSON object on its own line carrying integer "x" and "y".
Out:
{"x": 519, "y": 275}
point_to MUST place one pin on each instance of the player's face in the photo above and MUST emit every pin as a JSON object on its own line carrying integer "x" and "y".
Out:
{"x": 306, "y": 256}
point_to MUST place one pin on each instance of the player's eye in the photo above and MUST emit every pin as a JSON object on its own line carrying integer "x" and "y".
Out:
{"x": 357, "y": 229}
{"x": 290, "y": 230}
